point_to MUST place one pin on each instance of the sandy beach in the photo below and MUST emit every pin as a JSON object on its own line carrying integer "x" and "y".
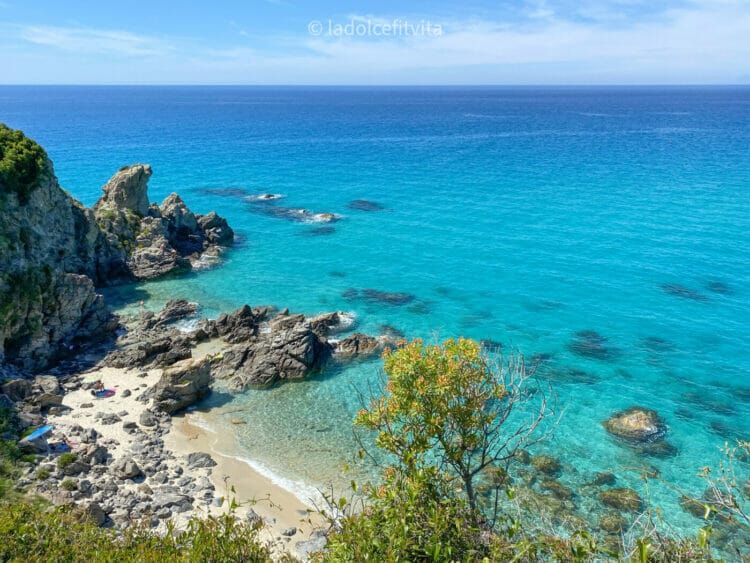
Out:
{"x": 288, "y": 520}
{"x": 280, "y": 509}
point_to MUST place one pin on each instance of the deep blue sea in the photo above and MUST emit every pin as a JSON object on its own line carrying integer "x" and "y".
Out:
{"x": 521, "y": 215}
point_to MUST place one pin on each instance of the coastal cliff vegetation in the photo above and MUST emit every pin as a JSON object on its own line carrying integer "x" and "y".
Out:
{"x": 22, "y": 163}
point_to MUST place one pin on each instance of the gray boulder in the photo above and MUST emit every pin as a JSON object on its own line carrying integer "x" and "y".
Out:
{"x": 358, "y": 345}
{"x": 126, "y": 468}
{"x": 148, "y": 419}
{"x": 17, "y": 389}
{"x": 182, "y": 385}
{"x": 200, "y": 460}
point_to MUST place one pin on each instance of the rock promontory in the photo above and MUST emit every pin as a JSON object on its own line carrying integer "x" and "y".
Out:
{"x": 55, "y": 252}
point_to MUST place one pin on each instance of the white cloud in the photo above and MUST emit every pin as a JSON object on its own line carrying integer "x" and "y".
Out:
{"x": 87, "y": 40}
{"x": 702, "y": 42}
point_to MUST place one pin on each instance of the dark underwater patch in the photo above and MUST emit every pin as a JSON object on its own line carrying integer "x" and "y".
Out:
{"x": 591, "y": 344}
{"x": 718, "y": 286}
{"x": 319, "y": 231}
{"x": 681, "y": 291}
{"x": 365, "y": 205}
{"x": 378, "y": 296}
{"x": 225, "y": 192}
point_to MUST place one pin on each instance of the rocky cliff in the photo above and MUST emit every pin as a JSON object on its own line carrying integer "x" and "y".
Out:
{"x": 54, "y": 252}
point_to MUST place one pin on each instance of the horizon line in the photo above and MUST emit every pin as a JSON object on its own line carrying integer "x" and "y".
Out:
{"x": 343, "y": 85}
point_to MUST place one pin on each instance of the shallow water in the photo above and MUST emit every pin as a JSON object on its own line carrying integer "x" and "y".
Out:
{"x": 519, "y": 215}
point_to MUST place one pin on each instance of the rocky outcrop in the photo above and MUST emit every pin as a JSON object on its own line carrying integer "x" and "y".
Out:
{"x": 240, "y": 326}
{"x": 182, "y": 385}
{"x": 126, "y": 191}
{"x": 48, "y": 305}
{"x": 54, "y": 252}
{"x": 155, "y": 240}
{"x": 289, "y": 350}
{"x": 636, "y": 425}
{"x": 266, "y": 349}
{"x": 359, "y": 345}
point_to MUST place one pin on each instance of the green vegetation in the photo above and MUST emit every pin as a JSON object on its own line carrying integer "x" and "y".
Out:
{"x": 42, "y": 473}
{"x": 443, "y": 419}
{"x": 23, "y": 163}
{"x": 31, "y": 531}
{"x": 10, "y": 455}
{"x": 66, "y": 459}
{"x": 69, "y": 485}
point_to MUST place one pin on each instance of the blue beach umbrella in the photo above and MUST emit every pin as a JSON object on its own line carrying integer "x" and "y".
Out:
{"x": 39, "y": 432}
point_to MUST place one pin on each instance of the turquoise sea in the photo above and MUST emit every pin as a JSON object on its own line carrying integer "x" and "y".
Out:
{"x": 521, "y": 215}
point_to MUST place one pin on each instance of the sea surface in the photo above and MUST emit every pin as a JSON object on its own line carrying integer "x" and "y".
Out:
{"x": 520, "y": 215}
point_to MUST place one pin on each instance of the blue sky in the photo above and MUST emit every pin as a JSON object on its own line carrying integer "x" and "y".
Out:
{"x": 368, "y": 42}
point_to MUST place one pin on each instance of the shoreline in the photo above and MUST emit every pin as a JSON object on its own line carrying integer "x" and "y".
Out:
{"x": 290, "y": 526}
{"x": 280, "y": 508}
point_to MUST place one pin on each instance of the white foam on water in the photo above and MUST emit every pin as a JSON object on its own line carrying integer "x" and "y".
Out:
{"x": 307, "y": 494}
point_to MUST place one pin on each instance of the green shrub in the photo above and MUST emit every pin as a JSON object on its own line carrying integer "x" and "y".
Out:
{"x": 65, "y": 460}
{"x": 69, "y": 485}
{"x": 34, "y": 532}
{"x": 23, "y": 163}
{"x": 9, "y": 452}
{"x": 42, "y": 473}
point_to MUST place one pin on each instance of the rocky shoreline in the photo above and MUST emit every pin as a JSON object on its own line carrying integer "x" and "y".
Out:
{"x": 106, "y": 455}
{"x": 116, "y": 467}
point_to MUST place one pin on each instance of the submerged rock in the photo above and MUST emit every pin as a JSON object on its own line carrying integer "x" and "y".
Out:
{"x": 226, "y": 192}
{"x": 719, "y": 287}
{"x": 319, "y": 231}
{"x": 387, "y": 297}
{"x": 546, "y": 464}
{"x": 365, "y": 205}
{"x": 613, "y": 522}
{"x": 682, "y": 291}
{"x": 489, "y": 345}
{"x": 557, "y": 489}
{"x": 591, "y": 344}
{"x": 625, "y": 500}
{"x": 605, "y": 478}
{"x": 574, "y": 376}
{"x": 636, "y": 425}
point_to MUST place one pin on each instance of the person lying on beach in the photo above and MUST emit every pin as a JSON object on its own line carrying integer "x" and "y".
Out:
{"x": 98, "y": 387}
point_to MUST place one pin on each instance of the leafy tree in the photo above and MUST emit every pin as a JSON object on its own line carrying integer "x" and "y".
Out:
{"x": 453, "y": 406}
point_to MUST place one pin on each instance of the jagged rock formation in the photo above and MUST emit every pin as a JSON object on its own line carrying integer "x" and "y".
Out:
{"x": 54, "y": 252}
{"x": 265, "y": 349}
{"x": 154, "y": 240}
